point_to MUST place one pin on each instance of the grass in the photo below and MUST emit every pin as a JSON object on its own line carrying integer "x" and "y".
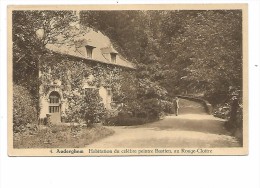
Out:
{"x": 61, "y": 136}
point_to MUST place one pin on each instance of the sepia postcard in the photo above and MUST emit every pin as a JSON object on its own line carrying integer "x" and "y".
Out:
{"x": 128, "y": 80}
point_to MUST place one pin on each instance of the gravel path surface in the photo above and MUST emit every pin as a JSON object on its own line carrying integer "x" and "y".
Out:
{"x": 186, "y": 130}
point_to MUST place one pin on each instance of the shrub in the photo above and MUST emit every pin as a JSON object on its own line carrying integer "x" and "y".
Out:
{"x": 232, "y": 111}
{"x": 146, "y": 108}
{"x": 144, "y": 111}
{"x": 167, "y": 107}
{"x": 87, "y": 107}
{"x": 222, "y": 111}
{"x": 24, "y": 110}
{"x": 151, "y": 108}
{"x": 125, "y": 121}
{"x": 94, "y": 108}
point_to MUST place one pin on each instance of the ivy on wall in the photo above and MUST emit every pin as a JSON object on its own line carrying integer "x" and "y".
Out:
{"x": 73, "y": 75}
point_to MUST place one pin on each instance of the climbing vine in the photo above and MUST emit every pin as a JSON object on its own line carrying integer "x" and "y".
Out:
{"x": 73, "y": 76}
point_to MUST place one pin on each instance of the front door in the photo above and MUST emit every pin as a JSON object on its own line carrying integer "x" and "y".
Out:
{"x": 54, "y": 107}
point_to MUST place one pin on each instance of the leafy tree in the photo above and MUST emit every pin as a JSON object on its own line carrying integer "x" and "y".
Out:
{"x": 207, "y": 49}
{"x": 195, "y": 52}
{"x": 129, "y": 32}
{"x": 32, "y": 31}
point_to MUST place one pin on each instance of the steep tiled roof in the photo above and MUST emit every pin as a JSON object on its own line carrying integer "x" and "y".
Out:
{"x": 101, "y": 51}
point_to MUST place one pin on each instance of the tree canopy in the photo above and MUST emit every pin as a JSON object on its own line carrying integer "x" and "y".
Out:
{"x": 195, "y": 52}
{"x": 31, "y": 32}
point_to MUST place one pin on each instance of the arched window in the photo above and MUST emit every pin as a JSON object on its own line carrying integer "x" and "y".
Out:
{"x": 54, "y": 97}
{"x": 54, "y": 100}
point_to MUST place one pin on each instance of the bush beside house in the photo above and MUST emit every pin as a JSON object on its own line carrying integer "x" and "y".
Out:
{"x": 145, "y": 111}
{"x": 27, "y": 134}
{"x": 24, "y": 110}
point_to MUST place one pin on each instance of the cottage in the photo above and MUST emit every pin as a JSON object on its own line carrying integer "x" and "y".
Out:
{"x": 90, "y": 62}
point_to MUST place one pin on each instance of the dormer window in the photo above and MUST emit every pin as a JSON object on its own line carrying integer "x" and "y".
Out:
{"x": 109, "y": 91}
{"x": 113, "y": 57}
{"x": 89, "y": 50}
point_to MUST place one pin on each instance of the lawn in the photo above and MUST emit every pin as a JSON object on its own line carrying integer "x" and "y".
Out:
{"x": 60, "y": 136}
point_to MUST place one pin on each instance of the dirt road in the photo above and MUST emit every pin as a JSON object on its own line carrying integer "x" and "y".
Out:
{"x": 187, "y": 130}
